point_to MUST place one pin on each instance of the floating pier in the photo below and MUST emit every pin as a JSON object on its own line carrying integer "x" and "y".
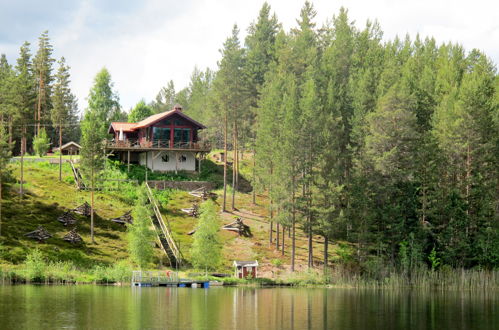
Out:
{"x": 164, "y": 278}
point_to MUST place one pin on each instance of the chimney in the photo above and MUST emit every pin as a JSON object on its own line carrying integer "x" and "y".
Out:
{"x": 177, "y": 107}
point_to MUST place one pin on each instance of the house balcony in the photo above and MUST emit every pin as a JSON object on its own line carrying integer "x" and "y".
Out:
{"x": 156, "y": 145}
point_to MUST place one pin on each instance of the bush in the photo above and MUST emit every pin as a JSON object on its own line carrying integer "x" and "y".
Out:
{"x": 35, "y": 266}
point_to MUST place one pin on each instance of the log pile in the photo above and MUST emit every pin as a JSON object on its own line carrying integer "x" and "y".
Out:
{"x": 67, "y": 218}
{"x": 124, "y": 219}
{"x": 83, "y": 209}
{"x": 73, "y": 237}
{"x": 239, "y": 227}
{"x": 39, "y": 234}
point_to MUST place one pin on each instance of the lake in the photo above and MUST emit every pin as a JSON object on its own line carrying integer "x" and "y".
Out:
{"x": 102, "y": 307}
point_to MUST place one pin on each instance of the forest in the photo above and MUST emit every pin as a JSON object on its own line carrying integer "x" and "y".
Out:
{"x": 391, "y": 146}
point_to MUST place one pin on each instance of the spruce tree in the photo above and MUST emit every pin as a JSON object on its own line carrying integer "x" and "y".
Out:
{"x": 206, "y": 250}
{"x": 5, "y": 155}
{"x": 139, "y": 234}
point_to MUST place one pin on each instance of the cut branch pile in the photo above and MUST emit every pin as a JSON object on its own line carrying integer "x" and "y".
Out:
{"x": 83, "y": 209}
{"x": 39, "y": 234}
{"x": 193, "y": 211}
{"x": 67, "y": 218}
{"x": 239, "y": 227}
{"x": 73, "y": 237}
{"x": 202, "y": 193}
{"x": 124, "y": 219}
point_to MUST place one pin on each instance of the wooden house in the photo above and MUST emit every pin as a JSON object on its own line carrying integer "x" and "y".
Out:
{"x": 245, "y": 269}
{"x": 70, "y": 148}
{"x": 167, "y": 141}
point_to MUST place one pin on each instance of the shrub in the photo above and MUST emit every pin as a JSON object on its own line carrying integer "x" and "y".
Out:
{"x": 35, "y": 266}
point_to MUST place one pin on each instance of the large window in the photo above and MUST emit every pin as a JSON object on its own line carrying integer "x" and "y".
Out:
{"x": 161, "y": 133}
{"x": 182, "y": 135}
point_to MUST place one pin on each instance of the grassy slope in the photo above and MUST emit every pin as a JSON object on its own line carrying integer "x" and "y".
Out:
{"x": 45, "y": 200}
{"x": 256, "y": 216}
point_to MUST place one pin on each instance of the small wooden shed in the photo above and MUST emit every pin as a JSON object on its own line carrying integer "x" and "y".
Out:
{"x": 245, "y": 269}
{"x": 70, "y": 148}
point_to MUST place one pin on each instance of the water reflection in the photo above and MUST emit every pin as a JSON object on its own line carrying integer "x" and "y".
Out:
{"x": 34, "y": 307}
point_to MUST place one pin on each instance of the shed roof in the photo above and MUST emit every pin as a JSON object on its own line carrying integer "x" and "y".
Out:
{"x": 64, "y": 146}
{"x": 245, "y": 263}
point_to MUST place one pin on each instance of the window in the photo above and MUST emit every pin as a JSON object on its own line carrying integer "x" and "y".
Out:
{"x": 165, "y": 158}
{"x": 182, "y": 135}
{"x": 182, "y": 159}
{"x": 179, "y": 122}
{"x": 161, "y": 133}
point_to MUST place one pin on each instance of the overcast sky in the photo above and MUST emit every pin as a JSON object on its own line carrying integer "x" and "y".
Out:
{"x": 146, "y": 43}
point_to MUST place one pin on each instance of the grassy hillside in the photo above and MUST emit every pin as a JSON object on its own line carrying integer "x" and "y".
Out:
{"x": 46, "y": 198}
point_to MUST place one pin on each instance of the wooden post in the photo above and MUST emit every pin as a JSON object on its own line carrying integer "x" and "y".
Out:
{"x": 152, "y": 161}
{"x": 128, "y": 165}
{"x": 146, "y": 166}
{"x": 176, "y": 162}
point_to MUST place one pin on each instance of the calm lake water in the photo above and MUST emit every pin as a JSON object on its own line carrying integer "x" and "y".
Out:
{"x": 98, "y": 307}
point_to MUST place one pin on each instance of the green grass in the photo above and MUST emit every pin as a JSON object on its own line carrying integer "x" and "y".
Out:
{"x": 45, "y": 199}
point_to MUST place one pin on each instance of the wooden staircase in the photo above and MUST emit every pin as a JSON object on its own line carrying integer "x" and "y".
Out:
{"x": 77, "y": 175}
{"x": 165, "y": 239}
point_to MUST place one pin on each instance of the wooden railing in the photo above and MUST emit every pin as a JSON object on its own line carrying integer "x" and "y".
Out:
{"x": 140, "y": 276}
{"x": 171, "y": 248}
{"x": 135, "y": 143}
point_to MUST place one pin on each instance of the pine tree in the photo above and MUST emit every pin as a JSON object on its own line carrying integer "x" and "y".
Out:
{"x": 63, "y": 102}
{"x": 42, "y": 67}
{"x": 231, "y": 97}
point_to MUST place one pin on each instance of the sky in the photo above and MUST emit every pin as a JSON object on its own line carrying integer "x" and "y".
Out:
{"x": 146, "y": 43}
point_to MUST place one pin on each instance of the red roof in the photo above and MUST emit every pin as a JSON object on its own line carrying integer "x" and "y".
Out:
{"x": 126, "y": 127}
{"x": 130, "y": 127}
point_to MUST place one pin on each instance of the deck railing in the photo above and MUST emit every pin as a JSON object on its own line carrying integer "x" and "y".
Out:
{"x": 135, "y": 143}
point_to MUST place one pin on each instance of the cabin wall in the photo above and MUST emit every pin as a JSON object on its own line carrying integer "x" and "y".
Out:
{"x": 159, "y": 163}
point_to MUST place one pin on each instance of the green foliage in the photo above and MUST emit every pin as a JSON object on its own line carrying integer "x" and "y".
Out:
{"x": 41, "y": 143}
{"x": 139, "y": 112}
{"x": 434, "y": 260}
{"x": 206, "y": 250}
{"x": 139, "y": 234}
{"x": 35, "y": 266}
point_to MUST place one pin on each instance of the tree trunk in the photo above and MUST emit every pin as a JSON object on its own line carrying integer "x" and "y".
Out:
{"x": 253, "y": 192}
{"x": 0, "y": 204}
{"x": 293, "y": 225}
{"x": 283, "y": 236}
{"x": 60, "y": 152}
{"x": 23, "y": 149}
{"x": 277, "y": 233}
{"x": 234, "y": 165}
{"x": 326, "y": 245}
{"x": 39, "y": 107}
{"x": 92, "y": 208}
{"x": 225, "y": 163}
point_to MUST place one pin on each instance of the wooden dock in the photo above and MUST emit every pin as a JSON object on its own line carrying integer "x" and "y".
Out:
{"x": 164, "y": 278}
